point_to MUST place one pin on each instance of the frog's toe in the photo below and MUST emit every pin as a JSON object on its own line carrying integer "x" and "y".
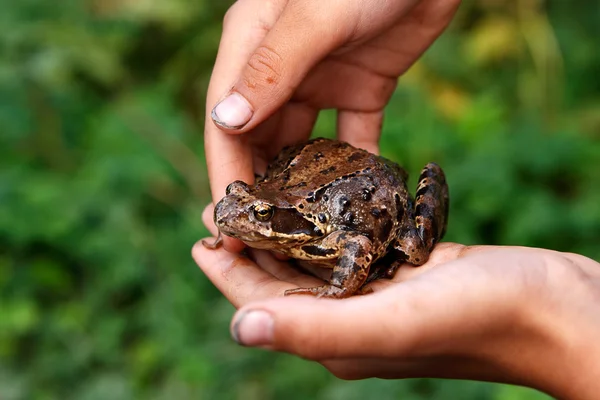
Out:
{"x": 214, "y": 245}
{"x": 365, "y": 290}
{"x": 325, "y": 291}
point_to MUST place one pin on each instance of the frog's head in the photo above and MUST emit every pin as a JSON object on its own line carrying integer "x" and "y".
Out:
{"x": 250, "y": 216}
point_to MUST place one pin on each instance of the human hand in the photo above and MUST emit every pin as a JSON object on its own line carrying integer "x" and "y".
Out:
{"x": 505, "y": 314}
{"x": 281, "y": 61}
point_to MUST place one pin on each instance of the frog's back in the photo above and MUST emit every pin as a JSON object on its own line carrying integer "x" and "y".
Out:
{"x": 309, "y": 167}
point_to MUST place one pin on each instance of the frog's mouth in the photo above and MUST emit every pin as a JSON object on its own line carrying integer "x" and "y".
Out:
{"x": 284, "y": 226}
{"x": 266, "y": 240}
{"x": 260, "y": 244}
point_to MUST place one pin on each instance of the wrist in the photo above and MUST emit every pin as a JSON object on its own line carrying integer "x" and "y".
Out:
{"x": 566, "y": 317}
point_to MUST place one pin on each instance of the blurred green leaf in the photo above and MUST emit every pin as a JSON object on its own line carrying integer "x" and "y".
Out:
{"x": 519, "y": 393}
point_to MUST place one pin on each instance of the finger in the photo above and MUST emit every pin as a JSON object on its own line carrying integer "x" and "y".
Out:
{"x": 350, "y": 86}
{"x": 207, "y": 219}
{"x": 237, "y": 277}
{"x": 433, "y": 312}
{"x": 320, "y": 328}
{"x": 279, "y": 63}
{"x": 229, "y": 157}
{"x": 296, "y": 124}
{"x": 360, "y": 129}
{"x": 399, "y": 47}
{"x": 358, "y": 83}
{"x": 292, "y": 124}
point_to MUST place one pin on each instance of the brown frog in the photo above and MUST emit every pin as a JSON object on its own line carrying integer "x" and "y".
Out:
{"x": 338, "y": 207}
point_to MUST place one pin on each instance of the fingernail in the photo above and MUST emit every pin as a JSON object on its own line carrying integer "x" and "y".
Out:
{"x": 253, "y": 328}
{"x": 233, "y": 112}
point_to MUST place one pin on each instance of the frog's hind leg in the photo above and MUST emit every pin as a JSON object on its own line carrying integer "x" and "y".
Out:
{"x": 430, "y": 218}
{"x": 431, "y": 205}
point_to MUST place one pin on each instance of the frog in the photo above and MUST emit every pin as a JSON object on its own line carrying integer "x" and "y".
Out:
{"x": 334, "y": 205}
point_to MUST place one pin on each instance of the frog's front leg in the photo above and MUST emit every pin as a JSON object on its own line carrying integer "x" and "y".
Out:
{"x": 430, "y": 218}
{"x": 351, "y": 270}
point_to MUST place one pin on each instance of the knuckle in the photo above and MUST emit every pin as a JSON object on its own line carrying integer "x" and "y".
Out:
{"x": 266, "y": 66}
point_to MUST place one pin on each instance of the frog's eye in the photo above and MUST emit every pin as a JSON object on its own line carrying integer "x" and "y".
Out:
{"x": 263, "y": 212}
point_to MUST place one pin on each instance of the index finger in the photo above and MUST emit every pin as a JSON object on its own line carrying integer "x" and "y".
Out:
{"x": 241, "y": 280}
{"x": 228, "y": 156}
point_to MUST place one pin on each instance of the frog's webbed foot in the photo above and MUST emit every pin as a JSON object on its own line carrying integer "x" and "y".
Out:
{"x": 385, "y": 267}
{"x": 431, "y": 216}
{"x": 214, "y": 245}
{"x": 351, "y": 270}
{"x": 365, "y": 290}
{"x": 390, "y": 271}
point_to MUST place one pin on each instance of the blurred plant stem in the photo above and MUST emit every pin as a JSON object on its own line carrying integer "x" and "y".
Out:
{"x": 543, "y": 89}
{"x": 172, "y": 150}
{"x": 47, "y": 143}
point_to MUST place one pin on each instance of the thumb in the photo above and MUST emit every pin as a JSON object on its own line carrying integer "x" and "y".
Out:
{"x": 319, "y": 329}
{"x": 434, "y": 311}
{"x": 298, "y": 41}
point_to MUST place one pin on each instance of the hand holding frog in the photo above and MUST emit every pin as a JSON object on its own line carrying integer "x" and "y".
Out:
{"x": 505, "y": 314}
{"x": 282, "y": 61}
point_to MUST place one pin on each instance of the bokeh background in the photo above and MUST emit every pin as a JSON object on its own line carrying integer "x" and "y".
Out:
{"x": 103, "y": 181}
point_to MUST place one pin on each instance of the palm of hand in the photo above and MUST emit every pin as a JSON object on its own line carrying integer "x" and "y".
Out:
{"x": 463, "y": 314}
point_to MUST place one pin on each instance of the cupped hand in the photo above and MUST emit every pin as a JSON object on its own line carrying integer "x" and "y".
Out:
{"x": 281, "y": 61}
{"x": 506, "y": 314}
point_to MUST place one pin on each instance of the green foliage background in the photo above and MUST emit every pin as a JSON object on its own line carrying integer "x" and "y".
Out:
{"x": 102, "y": 184}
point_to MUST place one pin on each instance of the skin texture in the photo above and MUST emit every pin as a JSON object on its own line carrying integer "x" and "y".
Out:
{"x": 289, "y": 59}
{"x": 339, "y": 207}
{"x": 504, "y": 314}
